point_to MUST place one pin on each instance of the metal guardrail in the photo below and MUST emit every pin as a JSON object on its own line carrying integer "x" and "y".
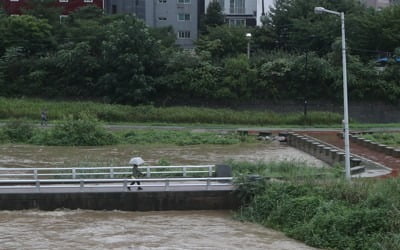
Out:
{"x": 111, "y": 178}
{"x": 122, "y": 184}
{"x": 104, "y": 172}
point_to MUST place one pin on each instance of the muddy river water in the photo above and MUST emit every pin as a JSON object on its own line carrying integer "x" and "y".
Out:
{"x": 82, "y": 229}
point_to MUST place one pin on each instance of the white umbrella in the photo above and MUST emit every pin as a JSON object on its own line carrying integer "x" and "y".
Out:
{"x": 136, "y": 161}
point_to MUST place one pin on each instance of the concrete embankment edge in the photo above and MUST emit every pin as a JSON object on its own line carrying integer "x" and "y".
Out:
{"x": 126, "y": 201}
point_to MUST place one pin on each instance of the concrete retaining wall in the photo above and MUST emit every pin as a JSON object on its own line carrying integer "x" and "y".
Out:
{"x": 321, "y": 151}
{"x": 128, "y": 201}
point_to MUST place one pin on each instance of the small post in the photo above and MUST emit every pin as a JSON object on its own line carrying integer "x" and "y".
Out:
{"x": 166, "y": 184}
{"x": 111, "y": 173}
{"x": 248, "y": 37}
{"x": 148, "y": 172}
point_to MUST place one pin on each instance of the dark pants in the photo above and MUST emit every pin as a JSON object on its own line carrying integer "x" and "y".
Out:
{"x": 133, "y": 183}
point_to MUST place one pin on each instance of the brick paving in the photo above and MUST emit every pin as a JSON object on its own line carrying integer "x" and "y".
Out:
{"x": 331, "y": 137}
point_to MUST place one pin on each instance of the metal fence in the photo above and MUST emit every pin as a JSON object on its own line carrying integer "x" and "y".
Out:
{"x": 106, "y": 172}
{"x": 111, "y": 179}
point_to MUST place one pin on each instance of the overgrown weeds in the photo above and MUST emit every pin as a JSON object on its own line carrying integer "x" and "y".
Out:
{"x": 29, "y": 109}
{"x": 331, "y": 213}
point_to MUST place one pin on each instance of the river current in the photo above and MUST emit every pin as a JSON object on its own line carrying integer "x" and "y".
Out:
{"x": 83, "y": 229}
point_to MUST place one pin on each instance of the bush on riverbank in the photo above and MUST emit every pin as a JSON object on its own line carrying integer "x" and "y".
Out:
{"x": 75, "y": 131}
{"x": 29, "y": 109}
{"x": 84, "y": 130}
{"x": 330, "y": 213}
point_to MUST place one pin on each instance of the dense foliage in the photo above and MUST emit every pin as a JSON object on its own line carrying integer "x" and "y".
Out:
{"x": 327, "y": 213}
{"x": 118, "y": 59}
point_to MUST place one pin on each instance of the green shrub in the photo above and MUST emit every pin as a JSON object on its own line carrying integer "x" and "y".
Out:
{"x": 326, "y": 213}
{"x": 76, "y": 131}
{"x": 18, "y": 131}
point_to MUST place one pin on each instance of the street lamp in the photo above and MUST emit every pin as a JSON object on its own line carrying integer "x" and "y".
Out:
{"x": 321, "y": 10}
{"x": 248, "y": 37}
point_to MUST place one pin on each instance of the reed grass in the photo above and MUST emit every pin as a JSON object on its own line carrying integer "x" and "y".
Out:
{"x": 30, "y": 109}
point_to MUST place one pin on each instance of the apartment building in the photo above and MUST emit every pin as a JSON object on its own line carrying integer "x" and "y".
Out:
{"x": 378, "y": 3}
{"x": 182, "y": 15}
{"x": 238, "y": 12}
{"x": 14, "y": 7}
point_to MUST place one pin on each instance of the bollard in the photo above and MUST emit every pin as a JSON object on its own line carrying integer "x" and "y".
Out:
{"x": 333, "y": 155}
{"x": 341, "y": 157}
{"x": 389, "y": 150}
{"x": 396, "y": 153}
{"x": 354, "y": 162}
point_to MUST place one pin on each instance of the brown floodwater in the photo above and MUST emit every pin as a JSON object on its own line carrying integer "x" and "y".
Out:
{"x": 82, "y": 229}
{"x": 44, "y": 156}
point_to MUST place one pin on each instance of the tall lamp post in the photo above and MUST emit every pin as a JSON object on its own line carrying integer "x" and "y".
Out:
{"x": 248, "y": 37}
{"x": 321, "y": 10}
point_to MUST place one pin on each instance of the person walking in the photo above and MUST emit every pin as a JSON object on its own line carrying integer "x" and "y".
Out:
{"x": 43, "y": 118}
{"x": 136, "y": 161}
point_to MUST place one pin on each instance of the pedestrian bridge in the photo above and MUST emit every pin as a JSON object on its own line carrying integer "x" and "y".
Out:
{"x": 164, "y": 188}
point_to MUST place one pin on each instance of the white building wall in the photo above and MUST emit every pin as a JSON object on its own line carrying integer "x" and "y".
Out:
{"x": 251, "y": 6}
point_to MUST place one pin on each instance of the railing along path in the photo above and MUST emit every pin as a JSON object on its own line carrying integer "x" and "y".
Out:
{"x": 157, "y": 178}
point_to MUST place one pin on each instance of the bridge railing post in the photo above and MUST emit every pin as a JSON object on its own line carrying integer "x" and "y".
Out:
{"x": 125, "y": 185}
{"x": 208, "y": 183}
{"x": 37, "y": 185}
{"x": 73, "y": 173}
{"x": 166, "y": 184}
{"x": 81, "y": 185}
{"x": 184, "y": 171}
{"x": 210, "y": 171}
{"x": 35, "y": 173}
{"x": 111, "y": 172}
{"x": 148, "y": 173}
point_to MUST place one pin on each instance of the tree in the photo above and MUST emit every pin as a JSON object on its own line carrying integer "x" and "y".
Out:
{"x": 131, "y": 59}
{"x": 213, "y": 16}
{"x": 223, "y": 41}
{"x": 30, "y": 33}
{"x": 43, "y": 9}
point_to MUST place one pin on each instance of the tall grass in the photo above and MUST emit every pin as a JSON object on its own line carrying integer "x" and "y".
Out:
{"x": 390, "y": 139}
{"x": 30, "y": 109}
{"x": 331, "y": 213}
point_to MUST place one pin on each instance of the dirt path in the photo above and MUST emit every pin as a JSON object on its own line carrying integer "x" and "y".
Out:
{"x": 332, "y": 138}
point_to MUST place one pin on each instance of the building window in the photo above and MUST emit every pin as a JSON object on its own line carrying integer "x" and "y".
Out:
{"x": 162, "y": 1}
{"x": 113, "y": 9}
{"x": 237, "y": 7}
{"x": 14, "y": 0}
{"x": 237, "y": 22}
{"x": 161, "y": 18}
{"x": 63, "y": 18}
{"x": 184, "y": 1}
{"x": 88, "y": 1}
{"x": 63, "y": 1}
{"x": 183, "y": 34}
{"x": 183, "y": 17}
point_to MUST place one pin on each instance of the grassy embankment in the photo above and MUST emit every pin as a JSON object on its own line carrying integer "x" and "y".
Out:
{"x": 390, "y": 139}
{"x": 29, "y": 109}
{"x": 325, "y": 212}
